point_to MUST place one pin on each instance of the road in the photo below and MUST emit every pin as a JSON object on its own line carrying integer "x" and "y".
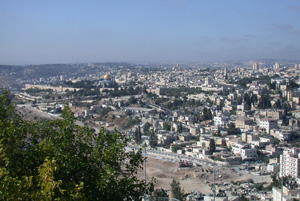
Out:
{"x": 176, "y": 157}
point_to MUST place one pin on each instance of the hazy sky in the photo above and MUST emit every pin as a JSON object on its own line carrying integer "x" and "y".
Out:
{"x": 62, "y": 31}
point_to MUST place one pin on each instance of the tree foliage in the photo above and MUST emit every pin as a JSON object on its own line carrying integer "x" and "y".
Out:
{"x": 206, "y": 115}
{"x": 176, "y": 147}
{"x": 159, "y": 194}
{"x": 138, "y": 135}
{"x": 130, "y": 91}
{"x": 277, "y": 104}
{"x": 131, "y": 122}
{"x": 59, "y": 160}
{"x": 291, "y": 85}
{"x": 176, "y": 190}
{"x": 167, "y": 126}
{"x": 132, "y": 100}
{"x": 264, "y": 101}
{"x": 250, "y": 98}
{"x": 212, "y": 145}
{"x": 232, "y": 130}
{"x": 153, "y": 139}
{"x": 182, "y": 103}
{"x": 147, "y": 126}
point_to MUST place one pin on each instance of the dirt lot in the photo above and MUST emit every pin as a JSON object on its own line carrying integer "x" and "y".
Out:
{"x": 196, "y": 178}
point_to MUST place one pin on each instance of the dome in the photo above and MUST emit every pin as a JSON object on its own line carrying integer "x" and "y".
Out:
{"x": 107, "y": 77}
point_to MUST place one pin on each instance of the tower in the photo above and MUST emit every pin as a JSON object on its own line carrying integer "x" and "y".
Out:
{"x": 225, "y": 73}
{"x": 255, "y": 67}
{"x": 276, "y": 66}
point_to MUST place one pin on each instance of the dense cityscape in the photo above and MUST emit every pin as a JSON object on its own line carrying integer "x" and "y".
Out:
{"x": 228, "y": 130}
{"x": 159, "y": 100}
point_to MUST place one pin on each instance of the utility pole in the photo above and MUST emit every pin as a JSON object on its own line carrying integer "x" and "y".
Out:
{"x": 145, "y": 164}
{"x": 214, "y": 185}
{"x": 282, "y": 187}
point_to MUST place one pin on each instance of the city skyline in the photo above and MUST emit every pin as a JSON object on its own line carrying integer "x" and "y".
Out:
{"x": 35, "y": 32}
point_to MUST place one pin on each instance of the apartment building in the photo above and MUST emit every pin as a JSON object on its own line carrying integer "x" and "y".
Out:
{"x": 267, "y": 124}
{"x": 289, "y": 163}
{"x": 245, "y": 151}
{"x": 221, "y": 120}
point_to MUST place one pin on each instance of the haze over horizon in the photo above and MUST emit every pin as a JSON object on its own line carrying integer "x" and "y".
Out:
{"x": 35, "y": 32}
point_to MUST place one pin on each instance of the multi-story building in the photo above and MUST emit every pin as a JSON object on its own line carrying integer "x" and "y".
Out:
{"x": 267, "y": 124}
{"x": 221, "y": 120}
{"x": 208, "y": 80}
{"x": 288, "y": 194}
{"x": 241, "y": 122}
{"x": 249, "y": 153}
{"x": 245, "y": 151}
{"x": 276, "y": 66}
{"x": 275, "y": 114}
{"x": 291, "y": 94}
{"x": 282, "y": 135}
{"x": 255, "y": 67}
{"x": 290, "y": 163}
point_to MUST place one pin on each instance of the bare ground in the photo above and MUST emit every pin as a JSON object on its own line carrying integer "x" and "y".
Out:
{"x": 195, "y": 178}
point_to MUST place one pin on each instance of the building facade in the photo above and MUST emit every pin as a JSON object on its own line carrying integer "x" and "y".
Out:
{"x": 221, "y": 120}
{"x": 289, "y": 163}
{"x": 267, "y": 124}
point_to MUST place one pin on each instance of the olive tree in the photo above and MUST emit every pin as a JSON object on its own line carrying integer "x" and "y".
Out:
{"x": 59, "y": 160}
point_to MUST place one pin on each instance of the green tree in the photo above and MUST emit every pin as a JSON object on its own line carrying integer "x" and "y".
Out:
{"x": 212, "y": 145}
{"x": 180, "y": 127}
{"x": 292, "y": 85}
{"x": 141, "y": 103}
{"x": 232, "y": 130}
{"x": 59, "y": 160}
{"x": 153, "y": 139}
{"x": 167, "y": 126}
{"x": 277, "y": 104}
{"x": 132, "y": 100}
{"x": 272, "y": 85}
{"x": 159, "y": 194}
{"x": 176, "y": 147}
{"x": 206, "y": 114}
{"x": 138, "y": 135}
{"x": 147, "y": 126}
{"x": 264, "y": 101}
{"x": 247, "y": 99}
{"x": 131, "y": 122}
{"x": 239, "y": 100}
{"x": 254, "y": 98}
{"x": 176, "y": 190}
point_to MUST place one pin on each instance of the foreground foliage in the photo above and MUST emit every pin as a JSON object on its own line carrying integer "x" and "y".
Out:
{"x": 59, "y": 160}
{"x": 176, "y": 190}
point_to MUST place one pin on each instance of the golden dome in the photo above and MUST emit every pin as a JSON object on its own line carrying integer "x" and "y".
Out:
{"x": 107, "y": 77}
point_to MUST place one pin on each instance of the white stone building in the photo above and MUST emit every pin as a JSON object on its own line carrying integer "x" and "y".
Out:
{"x": 290, "y": 162}
{"x": 221, "y": 120}
{"x": 267, "y": 124}
{"x": 245, "y": 151}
